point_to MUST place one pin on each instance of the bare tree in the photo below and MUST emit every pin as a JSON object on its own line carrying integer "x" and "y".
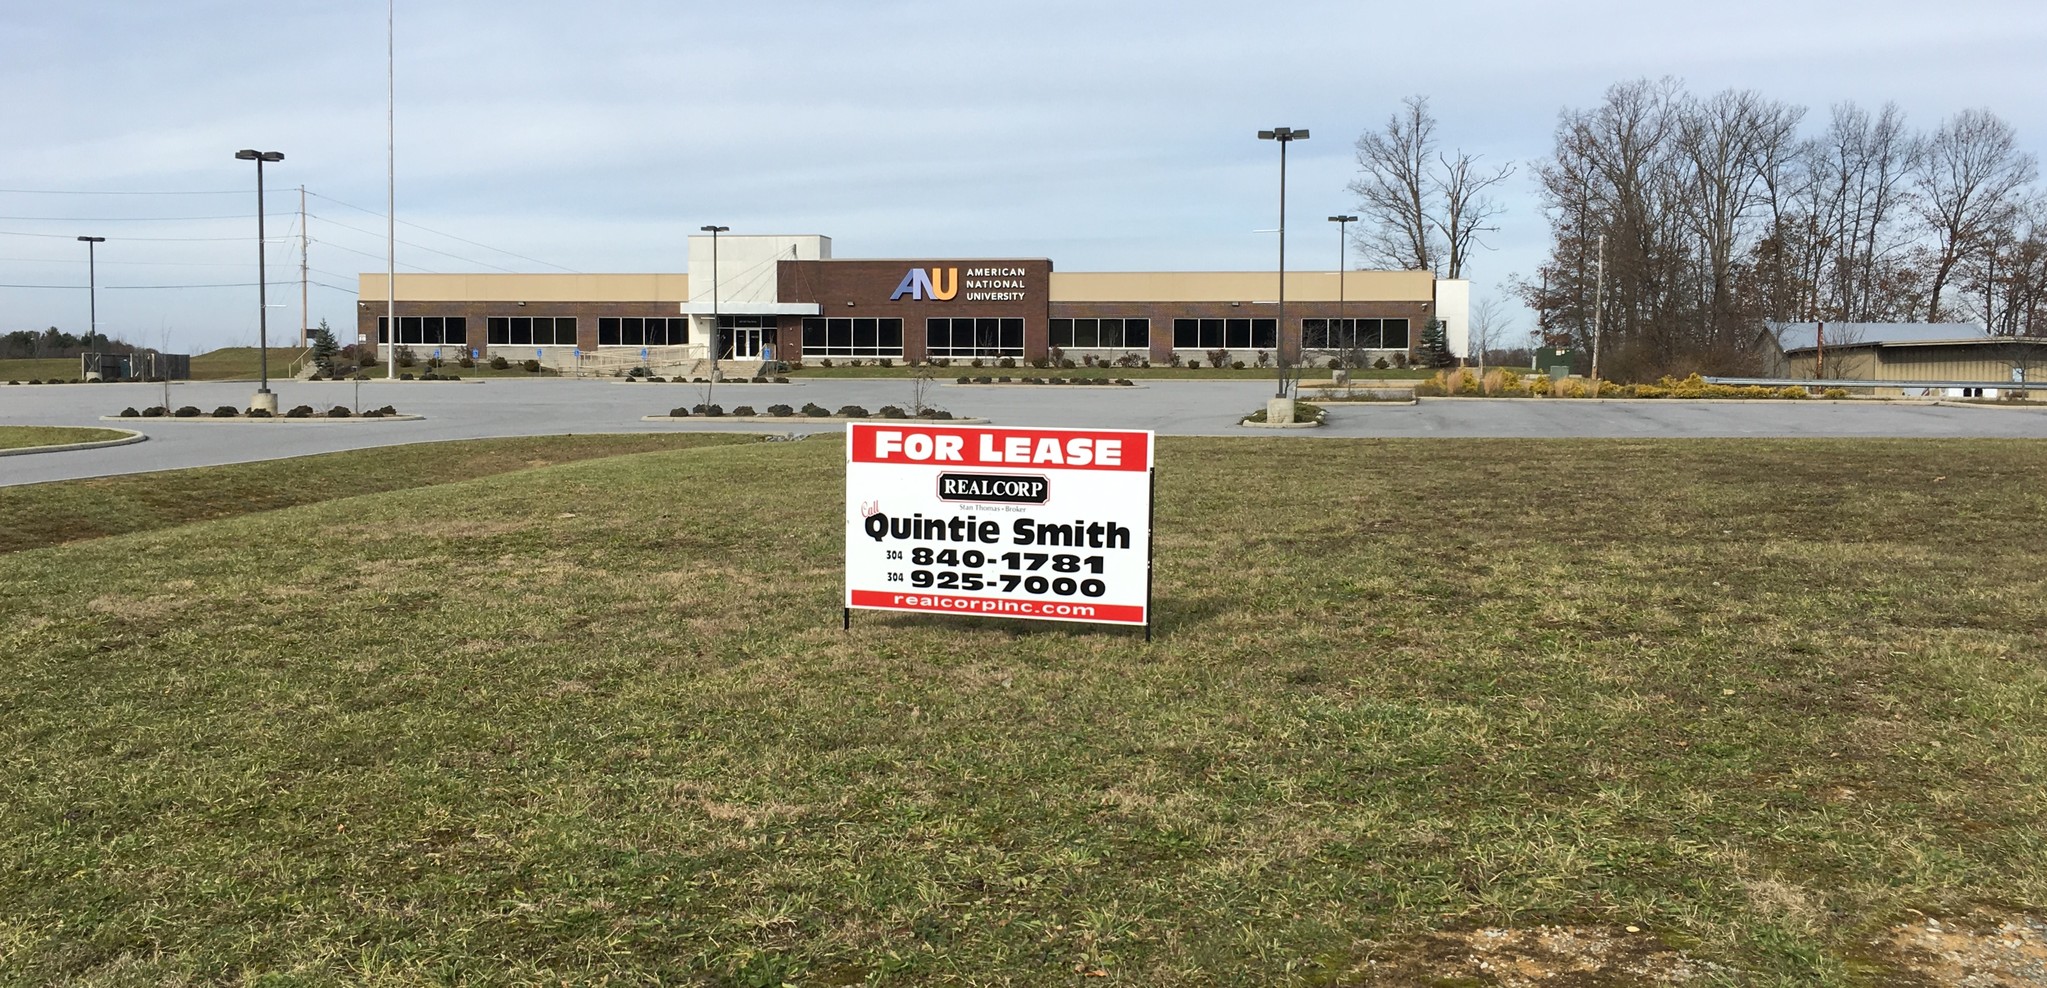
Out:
{"x": 1487, "y": 326}
{"x": 1466, "y": 208}
{"x": 1393, "y": 190}
{"x": 1973, "y": 183}
{"x": 1737, "y": 146}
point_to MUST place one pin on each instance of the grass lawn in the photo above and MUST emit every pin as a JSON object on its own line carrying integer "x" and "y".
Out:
{"x": 25, "y": 436}
{"x": 597, "y": 721}
{"x": 36, "y": 515}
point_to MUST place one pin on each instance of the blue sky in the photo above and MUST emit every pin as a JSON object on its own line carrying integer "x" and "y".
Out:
{"x": 596, "y": 137}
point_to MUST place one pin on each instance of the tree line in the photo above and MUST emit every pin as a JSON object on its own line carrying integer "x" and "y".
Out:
{"x": 1710, "y": 216}
{"x": 53, "y": 342}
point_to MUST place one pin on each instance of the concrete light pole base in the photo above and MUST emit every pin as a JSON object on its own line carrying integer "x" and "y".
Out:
{"x": 1279, "y": 411}
{"x": 264, "y": 401}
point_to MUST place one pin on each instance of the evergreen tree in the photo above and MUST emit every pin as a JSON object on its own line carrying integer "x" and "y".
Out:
{"x": 324, "y": 347}
{"x": 1435, "y": 348}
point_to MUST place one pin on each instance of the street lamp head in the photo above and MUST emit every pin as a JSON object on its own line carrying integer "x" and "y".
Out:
{"x": 251, "y": 154}
{"x": 1283, "y": 134}
{"x": 1343, "y": 219}
{"x": 94, "y": 240}
{"x": 714, "y": 229}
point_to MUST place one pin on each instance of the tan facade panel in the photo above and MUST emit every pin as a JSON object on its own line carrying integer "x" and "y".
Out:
{"x": 1241, "y": 286}
{"x": 530, "y": 287}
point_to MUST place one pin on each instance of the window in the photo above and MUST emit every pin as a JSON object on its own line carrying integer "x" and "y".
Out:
{"x": 642, "y": 331}
{"x": 1101, "y": 334}
{"x": 991, "y": 337}
{"x": 844, "y": 337}
{"x": 530, "y": 330}
{"x": 425, "y": 330}
{"x": 1225, "y": 334}
{"x": 1354, "y": 334}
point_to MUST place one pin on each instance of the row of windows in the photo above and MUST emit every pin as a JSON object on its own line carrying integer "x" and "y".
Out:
{"x": 1225, "y": 334}
{"x": 1354, "y": 334}
{"x": 841, "y": 337}
{"x": 425, "y": 330}
{"x": 1101, "y": 334}
{"x": 531, "y": 330}
{"x": 632, "y": 331}
{"x": 975, "y": 337}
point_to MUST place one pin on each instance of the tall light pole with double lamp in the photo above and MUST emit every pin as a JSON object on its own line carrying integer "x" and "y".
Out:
{"x": 1285, "y": 136}
{"x": 717, "y": 338}
{"x": 1342, "y": 258}
{"x": 92, "y": 328}
{"x": 264, "y": 399}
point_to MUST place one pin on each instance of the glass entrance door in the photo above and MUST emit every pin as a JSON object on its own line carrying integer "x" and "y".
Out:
{"x": 746, "y": 343}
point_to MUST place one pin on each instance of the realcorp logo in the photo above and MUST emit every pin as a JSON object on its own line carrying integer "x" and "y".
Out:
{"x": 935, "y": 283}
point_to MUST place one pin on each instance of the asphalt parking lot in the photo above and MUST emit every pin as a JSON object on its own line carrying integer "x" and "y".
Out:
{"x": 470, "y": 410}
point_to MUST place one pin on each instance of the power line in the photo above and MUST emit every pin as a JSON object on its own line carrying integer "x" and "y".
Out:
{"x": 408, "y": 243}
{"x": 438, "y": 233}
{"x": 143, "y": 219}
{"x": 89, "y": 192}
{"x": 188, "y": 240}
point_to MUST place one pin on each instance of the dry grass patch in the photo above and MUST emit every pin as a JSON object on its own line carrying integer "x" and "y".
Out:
{"x": 1983, "y": 950}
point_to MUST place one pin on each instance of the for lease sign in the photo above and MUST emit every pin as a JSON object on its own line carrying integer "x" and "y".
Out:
{"x": 1046, "y": 524}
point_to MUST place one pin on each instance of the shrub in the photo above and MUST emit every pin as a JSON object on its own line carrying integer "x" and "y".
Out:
{"x": 405, "y": 357}
{"x": 187, "y": 412}
{"x": 1006, "y": 363}
{"x": 126, "y": 413}
{"x": 1236, "y": 365}
{"x": 708, "y": 411}
{"x": 744, "y": 411}
{"x": 891, "y": 412}
{"x": 1379, "y": 364}
{"x": 388, "y": 410}
{"x": 1057, "y": 380}
{"x": 1041, "y": 363}
{"x": 757, "y": 380}
{"x": 1126, "y": 382}
{"x": 530, "y": 366}
{"x": 1431, "y": 388}
{"x": 1195, "y": 364}
{"x": 1067, "y": 363}
{"x": 405, "y": 377}
{"x": 37, "y": 380}
{"x": 976, "y": 362}
{"x": 372, "y": 413}
{"x": 1792, "y": 391}
{"x": 465, "y": 362}
{"x": 657, "y": 380}
{"x": 826, "y": 362}
{"x": 781, "y": 411}
{"x": 1129, "y": 360}
{"x": 226, "y": 412}
{"x": 1002, "y": 380}
{"x": 339, "y": 412}
{"x": 815, "y": 410}
{"x": 678, "y": 413}
{"x": 852, "y": 412}
{"x": 934, "y": 413}
{"x": 499, "y": 363}
{"x": 637, "y": 372}
{"x": 1218, "y": 359}
{"x": 258, "y": 413}
{"x": 886, "y": 362}
{"x": 1835, "y": 393}
{"x": 299, "y": 412}
{"x": 781, "y": 380}
{"x": 154, "y": 412}
{"x": 963, "y": 379}
{"x": 984, "y": 380}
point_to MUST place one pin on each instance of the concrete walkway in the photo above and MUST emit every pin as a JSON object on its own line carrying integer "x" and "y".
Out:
{"x": 500, "y": 407}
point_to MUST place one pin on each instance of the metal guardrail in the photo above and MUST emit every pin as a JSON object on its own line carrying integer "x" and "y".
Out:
{"x": 1779, "y": 382}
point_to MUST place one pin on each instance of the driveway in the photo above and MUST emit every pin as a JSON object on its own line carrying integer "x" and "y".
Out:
{"x": 501, "y": 407}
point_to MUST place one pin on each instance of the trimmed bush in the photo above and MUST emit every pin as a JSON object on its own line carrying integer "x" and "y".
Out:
{"x": 678, "y": 413}
{"x": 126, "y": 413}
{"x": 499, "y": 363}
{"x": 963, "y": 379}
{"x": 708, "y": 411}
{"x": 781, "y": 411}
{"x": 984, "y": 380}
{"x": 299, "y": 412}
{"x": 934, "y": 413}
{"x": 1835, "y": 393}
{"x": 852, "y": 412}
{"x": 815, "y": 410}
{"x": 757, "y": 379}
{"x": 226, "y": 412}
{"x": 781, "y": 380}
{"x": 339, "y": 412}
{"x": 258, "y": 413}
{"x": 744, "y": 411}
{"x": 155, "y": 412}
{"x": 187, "y": 412}
{"x": 530, "y": 366}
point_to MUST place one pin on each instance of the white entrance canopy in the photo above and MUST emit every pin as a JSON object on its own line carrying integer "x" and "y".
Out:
{"x": 738, "y": 308}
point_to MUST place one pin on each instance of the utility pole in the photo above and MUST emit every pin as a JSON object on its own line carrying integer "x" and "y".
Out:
{"x": 305, "y": 311}
{"x": 1598, "y": 307}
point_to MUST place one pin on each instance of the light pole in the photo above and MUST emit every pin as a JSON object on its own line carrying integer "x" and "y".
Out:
{"x": 264, "y": 399}
{"x": 92, "y": 327}
{"x": 1285, "y": 136}
{"x": 1342, "y": 258}
{"x": 716, "y": 337}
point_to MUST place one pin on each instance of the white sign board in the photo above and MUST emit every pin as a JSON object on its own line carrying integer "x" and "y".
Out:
{"x": 1042, "y": 524}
